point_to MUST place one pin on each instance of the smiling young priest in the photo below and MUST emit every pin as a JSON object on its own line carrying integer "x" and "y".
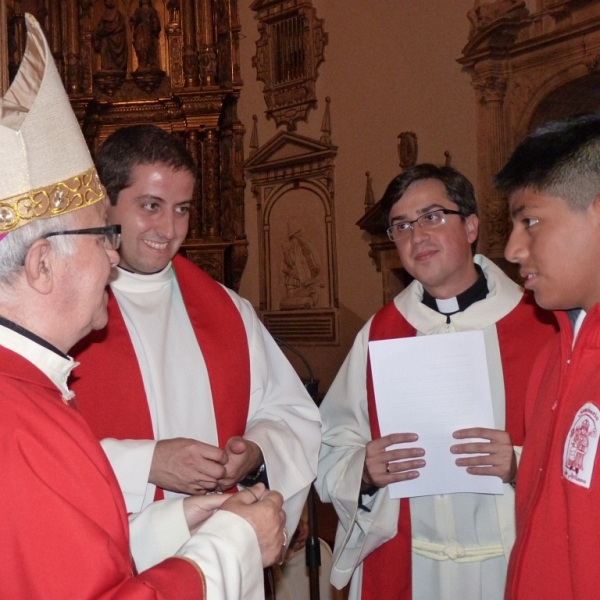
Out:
{"x": 440, "y": 546}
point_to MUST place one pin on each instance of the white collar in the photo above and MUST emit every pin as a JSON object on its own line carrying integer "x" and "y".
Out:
{"x": 126, "y": 281}
{"x": 504, "y": 295}
{"x": 578, "y": 323}
{"x": 447, "y": 305}
{"x": 57, "y": 368}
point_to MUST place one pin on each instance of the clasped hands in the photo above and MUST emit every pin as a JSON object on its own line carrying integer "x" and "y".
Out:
{"x": 263, "y": 509}
{"x": 494, "y": 457}
{"x": 192, "y": 467}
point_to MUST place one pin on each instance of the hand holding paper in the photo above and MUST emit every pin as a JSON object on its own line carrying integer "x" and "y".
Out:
{"x": 435, "y": 386}
{"x": 380, "y": 470}
{"x": 498, "y": 454}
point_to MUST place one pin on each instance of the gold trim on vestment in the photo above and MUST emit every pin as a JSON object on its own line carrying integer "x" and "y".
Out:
{"x": 52, "y": 200}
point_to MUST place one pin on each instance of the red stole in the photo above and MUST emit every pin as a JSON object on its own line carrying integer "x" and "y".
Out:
{"x": 387, "y": 573}
{"x": 108, "y": 383}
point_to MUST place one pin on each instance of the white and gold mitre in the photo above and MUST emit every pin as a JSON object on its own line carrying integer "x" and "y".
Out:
{"x": 45, "y": 166}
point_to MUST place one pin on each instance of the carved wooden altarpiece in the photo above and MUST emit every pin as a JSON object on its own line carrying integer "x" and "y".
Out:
{"x": 527, "y": 68}
{"x": 172, "y": 63}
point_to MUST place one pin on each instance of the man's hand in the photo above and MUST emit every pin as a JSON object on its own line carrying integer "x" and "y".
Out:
{"x": 498, "y": 454}
{"x": 383, "y": 466}
{"x": 263, "y": 510}
{"x": 197, "y": 509}
{"x": 187, "y": 466}
{"x": 243, "y": 457}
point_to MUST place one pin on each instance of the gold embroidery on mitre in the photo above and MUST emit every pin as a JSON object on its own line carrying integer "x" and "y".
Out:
{"x": 51, "y": 200}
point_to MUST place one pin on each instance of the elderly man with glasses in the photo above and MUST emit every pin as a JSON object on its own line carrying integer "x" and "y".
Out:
{"x": 439, "y": 546}
{"x": 64, "y": 531}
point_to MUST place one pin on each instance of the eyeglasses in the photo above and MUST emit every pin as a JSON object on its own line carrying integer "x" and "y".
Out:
{"x": 428, "y": 221}
{"x": 111, "y": 233}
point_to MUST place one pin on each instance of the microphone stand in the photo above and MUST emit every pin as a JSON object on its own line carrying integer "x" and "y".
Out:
{"x": 312, "y": 548}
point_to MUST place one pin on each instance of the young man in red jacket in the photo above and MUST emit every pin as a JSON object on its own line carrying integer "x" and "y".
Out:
{"x": 553, "y": 184}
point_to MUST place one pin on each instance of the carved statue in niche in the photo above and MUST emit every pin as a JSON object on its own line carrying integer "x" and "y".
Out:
{"x": 146, "y": 29}
{"x": 174, "y": 8}
{"x": 110, "y": 38}
{"x": 301, "y": 270}
{"x": 485, "y": 12}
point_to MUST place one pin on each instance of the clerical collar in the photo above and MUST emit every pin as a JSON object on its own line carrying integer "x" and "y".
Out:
{"x": 478, "y": 291}
{"x": 141, "y": 283}
{"x": 31, "y": 336}
{"x": 122, "y": 268}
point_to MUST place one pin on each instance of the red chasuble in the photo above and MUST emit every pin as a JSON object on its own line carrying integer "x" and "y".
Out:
{"x": 64, "y": 531}
{"x": 108, "y": 383}
{"x": 521, "y": 334}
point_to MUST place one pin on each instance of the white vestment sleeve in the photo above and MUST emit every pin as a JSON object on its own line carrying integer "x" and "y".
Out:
{"x": 226, "y": 550}
{"x": 283, "y": 420}
{"x": 131, "y": 461}
{"x": 157, "y": 532}
{"x": 346, "y": 432}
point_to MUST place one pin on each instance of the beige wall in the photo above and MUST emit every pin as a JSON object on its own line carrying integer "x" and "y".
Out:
{"x": 390, "y": 66}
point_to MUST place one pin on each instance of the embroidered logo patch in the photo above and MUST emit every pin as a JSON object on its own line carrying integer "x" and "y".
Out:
{"x": 581, "y": 446}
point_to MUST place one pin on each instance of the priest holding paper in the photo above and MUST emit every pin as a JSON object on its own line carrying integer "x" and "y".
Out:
{"x": 435, "y": 545}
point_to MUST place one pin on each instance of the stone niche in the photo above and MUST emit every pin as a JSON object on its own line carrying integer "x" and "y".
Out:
{"x": 292, "y": 179}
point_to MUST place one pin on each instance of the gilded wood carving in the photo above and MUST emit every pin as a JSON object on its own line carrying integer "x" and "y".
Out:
{"x": 174, "y": 63}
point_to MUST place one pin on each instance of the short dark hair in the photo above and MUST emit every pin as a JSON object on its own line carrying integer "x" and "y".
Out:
{"x": 561, "y": 158}
{"x": 457, "y": 186}
{"x": 138, "y": 145}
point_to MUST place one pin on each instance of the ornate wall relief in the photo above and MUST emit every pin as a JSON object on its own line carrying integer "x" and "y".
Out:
{"x": 527, "y": 68}
{"x": 288, "y": 55}
{"x": 292, "y": 181}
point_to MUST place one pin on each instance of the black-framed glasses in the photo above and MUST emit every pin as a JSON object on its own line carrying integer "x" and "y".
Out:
{"x": 428, "y": 221}
{"x": 111, "y": 233}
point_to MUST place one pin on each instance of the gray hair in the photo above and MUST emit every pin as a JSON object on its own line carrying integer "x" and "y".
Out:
{"x": 14, "y": 247}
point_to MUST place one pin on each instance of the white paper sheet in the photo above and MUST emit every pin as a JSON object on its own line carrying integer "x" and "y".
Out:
{"x": 433, "y": 385}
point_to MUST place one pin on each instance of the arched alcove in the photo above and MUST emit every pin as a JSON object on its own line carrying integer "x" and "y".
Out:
{"x": 575, "y": 97}
{"x": 292, "y": 181}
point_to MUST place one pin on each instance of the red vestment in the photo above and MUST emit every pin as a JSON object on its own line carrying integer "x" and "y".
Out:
{"x": 64, "y": 531}
{"x": 108, "y": 383}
